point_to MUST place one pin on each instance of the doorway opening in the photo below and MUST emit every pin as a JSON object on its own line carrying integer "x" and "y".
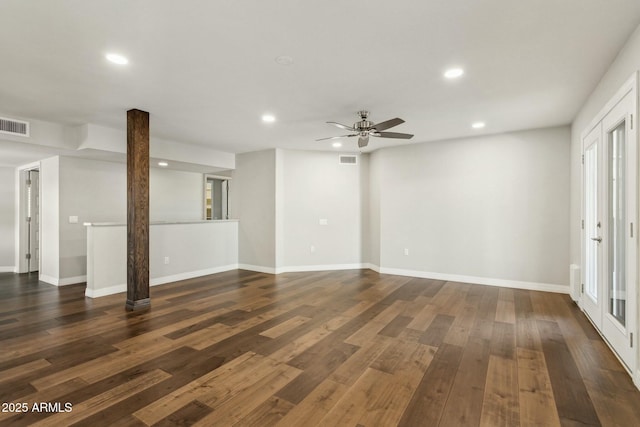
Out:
{"x": 216, "y": 197}
{"x": 28, "y": 250}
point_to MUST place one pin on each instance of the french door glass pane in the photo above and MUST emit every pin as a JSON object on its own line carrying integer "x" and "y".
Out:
{"x": 591, "y": 220}
{"x": 617, "y": 220}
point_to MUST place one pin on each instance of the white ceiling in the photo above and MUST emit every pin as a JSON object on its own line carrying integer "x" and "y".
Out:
{"x": 206, "y": 70}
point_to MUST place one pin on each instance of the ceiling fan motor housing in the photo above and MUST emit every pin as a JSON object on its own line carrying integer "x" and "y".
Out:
{"x": 363, "y": 125}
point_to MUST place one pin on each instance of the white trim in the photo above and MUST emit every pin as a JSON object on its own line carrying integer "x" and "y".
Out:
{"x": 62, "y": 282}
{"x": 72, "y": 280}
{"x": 95, "y": 293}
{"x": 257, "y": 268}
{"x": 327, "y": 267}
{"x": 304, "y": 268}
{"x": 373, "y": 267}
{"x": 515, "y": 284}
{"x": 191, "y": 274}
{"x": 8, "y": 269}
{"x": 48, "y": 279}
{"x": 627, "y": 87}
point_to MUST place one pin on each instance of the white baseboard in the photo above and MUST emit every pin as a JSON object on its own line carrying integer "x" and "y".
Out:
{"x": 62, "y": 282}
{"x": 191, "y": 274}
{"x": 72, "y": 280}
{"x": 48, "y": 279}
{"x": 302, "y": 268}
{"x": 515, "y": 284}
{"x": 116, "y": 289}
{"x": 8, "y": 269}
{"x": 326, "y": 267}
{"x": 257, "y": 268}
{"x": 371, "y": 267}
{"x": 95, "y": 293}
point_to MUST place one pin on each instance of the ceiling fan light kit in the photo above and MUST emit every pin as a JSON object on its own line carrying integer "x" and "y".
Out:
{"x": 365, "y": 128}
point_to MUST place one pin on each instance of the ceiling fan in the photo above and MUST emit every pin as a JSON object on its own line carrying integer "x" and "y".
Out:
{"x": 365, "y": 128}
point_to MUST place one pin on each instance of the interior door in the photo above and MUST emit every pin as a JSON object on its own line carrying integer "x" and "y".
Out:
{"x": 609, "y": 239}
{"x": 619, "y": 314}
{"x": 33, "y": 221}
{"x": 592, "y": 299}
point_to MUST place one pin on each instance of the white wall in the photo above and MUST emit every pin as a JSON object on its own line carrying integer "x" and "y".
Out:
{"x": 95, "y": 191}
{"x": 375, "y": 169}
{"x": 7, "y": 218}
{"x": 316, "y": 186}
{"x": 175, "y": 195}
{"x": 626, "y": 63}
{"x": 253, "y": 201}
{"x": 193, "y": 249}
{"x": 494, "y": 207}
{"x": 365, "y": 214}
{"x": 49, "y": 220}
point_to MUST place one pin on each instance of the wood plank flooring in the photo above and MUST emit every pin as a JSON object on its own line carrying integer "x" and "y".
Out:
{"x": 348, "y": 348}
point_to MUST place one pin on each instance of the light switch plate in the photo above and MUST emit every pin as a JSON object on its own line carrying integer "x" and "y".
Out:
{"x": 73, "y": 219}
{"x": 324, "y": 221}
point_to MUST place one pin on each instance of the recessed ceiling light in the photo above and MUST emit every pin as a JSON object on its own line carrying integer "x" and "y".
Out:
{"x": 117, "y": 59}
{"x": 454, "y": 73}
{"x": 478, "y": 125}
{"x": 163, "y": 164}
{"x": 268, "y": 118}
{"x": 337, "y": 144}
{"x": 284, "y": 60}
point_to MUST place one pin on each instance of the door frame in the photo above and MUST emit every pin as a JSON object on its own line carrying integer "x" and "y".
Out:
{"x": 21, "y": 212}
{"x": 630, "y": 86}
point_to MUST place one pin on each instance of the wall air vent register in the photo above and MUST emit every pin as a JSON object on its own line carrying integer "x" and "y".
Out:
{"x": 348, "y": 160}
{"x": 14, "y": 127}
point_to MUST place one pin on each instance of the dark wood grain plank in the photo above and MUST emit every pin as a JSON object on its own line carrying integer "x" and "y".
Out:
{"x": 435, "y": 333}
{"x": 572, "y": 400}
{"x": 430, "y": 397}
{"x": 396, "y": 326}
{"x": 185, "y": 416}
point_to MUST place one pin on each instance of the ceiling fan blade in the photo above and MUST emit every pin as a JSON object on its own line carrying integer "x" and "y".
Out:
{"x": 341, "y": 126}
{"x": 336, "y": 137}
{"x": 363, "y": 141}
{"x": 393, "y": 135}
{"x": 388, "y": 124}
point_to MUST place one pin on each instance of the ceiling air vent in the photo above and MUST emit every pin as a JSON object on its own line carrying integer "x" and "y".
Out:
{"x": 349, "y": 160}
{"x": 14, "y": 127}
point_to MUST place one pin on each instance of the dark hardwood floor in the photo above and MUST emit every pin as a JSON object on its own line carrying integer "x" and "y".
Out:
{"x": 348, "y": 348}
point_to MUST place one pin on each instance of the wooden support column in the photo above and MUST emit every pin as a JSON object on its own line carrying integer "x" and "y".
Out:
{"x": 137, "y": 210}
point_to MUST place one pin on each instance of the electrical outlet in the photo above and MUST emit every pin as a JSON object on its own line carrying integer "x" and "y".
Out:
{"x": 73, "y": 219}
{"x": 166, "y": 260}
{"x": 406, "y": 251}
{"x": 312, "y": 249}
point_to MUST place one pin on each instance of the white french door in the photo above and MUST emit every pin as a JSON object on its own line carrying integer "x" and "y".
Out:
{"x": 592, "y": 298}
{"x": 610, "y": 218}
